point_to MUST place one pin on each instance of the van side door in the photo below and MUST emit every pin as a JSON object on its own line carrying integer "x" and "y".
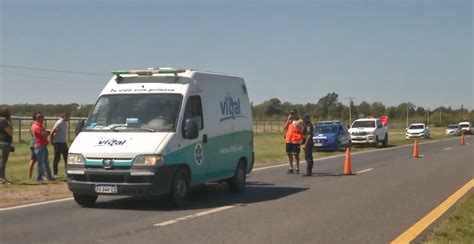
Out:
{"x": 196, "y": 158}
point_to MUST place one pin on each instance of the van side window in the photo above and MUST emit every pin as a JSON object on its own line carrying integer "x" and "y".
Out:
{"x": 194, "y": 111}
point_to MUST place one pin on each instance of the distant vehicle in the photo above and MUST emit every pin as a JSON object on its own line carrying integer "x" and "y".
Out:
{"x": 453, "y": 130}
{"x": 466, "y": 127}
{"x": 369, "y": 131}
{"x": 331, "y": 135}
{"x": 417, "y": 130}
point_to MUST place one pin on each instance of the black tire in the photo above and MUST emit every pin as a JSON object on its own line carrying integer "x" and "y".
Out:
{"x": 238, "y": 181}
{"x": 85, "y": 200}
{"x": 385, "y": 141}
{"x": 179, "y": 189}
{"x": 376, "y": 141}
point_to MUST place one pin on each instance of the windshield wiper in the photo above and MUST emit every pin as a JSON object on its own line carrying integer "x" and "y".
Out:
{"x": 114, "y": 128}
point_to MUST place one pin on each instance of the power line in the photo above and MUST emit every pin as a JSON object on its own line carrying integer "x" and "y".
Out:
{"x": 50, "y": 70}
{"x": 65, "y": 80}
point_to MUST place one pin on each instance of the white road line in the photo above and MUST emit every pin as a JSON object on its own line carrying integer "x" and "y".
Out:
{"x": 448, "y": 148}
{"x": 196, "y": 215}
{"x": 364, "y": 171}
{"x": 36, "y": 204}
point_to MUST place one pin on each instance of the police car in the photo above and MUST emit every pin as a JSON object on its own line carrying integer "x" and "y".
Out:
{"x": 331, "y": 135}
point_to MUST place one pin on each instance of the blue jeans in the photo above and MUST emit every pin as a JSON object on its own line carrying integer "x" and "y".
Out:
{"x": 4, "y": 153}
{"x": 42, "y": 155}
{"x": 308, "y": 156}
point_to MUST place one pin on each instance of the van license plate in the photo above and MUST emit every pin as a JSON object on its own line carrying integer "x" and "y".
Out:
{"x": 106, "y": 189}
{"x": 318, "y": 144}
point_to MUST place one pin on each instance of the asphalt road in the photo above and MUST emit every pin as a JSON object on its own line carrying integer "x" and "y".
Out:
{"x": 371, "y": 207}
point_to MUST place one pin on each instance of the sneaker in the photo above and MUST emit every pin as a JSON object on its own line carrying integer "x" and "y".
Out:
{"x": 308, "y": 174}
{"x": 297, "y": 171}
{"x": 290, "y": 171}
{"x": 55, "y": 176}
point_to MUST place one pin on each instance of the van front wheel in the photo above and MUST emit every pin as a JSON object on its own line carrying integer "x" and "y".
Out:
{"x": 85, "y": 200}
{"x": 180, "y": 189}
{"x": 238, "y": 181}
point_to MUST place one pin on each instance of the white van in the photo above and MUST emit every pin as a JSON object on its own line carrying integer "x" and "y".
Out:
{"x": 161, "y": 130}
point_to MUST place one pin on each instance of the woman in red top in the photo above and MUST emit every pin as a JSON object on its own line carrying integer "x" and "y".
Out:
{"x": 41, "y": 147}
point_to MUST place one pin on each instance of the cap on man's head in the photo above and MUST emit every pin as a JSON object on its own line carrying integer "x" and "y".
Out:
{"x": 306, "y": 116}
{"x": 293, "y": 111}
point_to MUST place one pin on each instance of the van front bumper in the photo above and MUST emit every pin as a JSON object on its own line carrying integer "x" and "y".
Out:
{"x": 127, "y": 182}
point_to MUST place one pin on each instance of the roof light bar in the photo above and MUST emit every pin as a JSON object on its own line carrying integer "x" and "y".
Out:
{"x": 149, "y": 71}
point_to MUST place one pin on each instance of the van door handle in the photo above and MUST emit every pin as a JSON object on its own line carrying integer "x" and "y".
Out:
{"x": 204, "y": 138}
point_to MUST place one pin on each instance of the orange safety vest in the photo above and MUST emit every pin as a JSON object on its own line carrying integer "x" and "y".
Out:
{"x": 294, "y": 134}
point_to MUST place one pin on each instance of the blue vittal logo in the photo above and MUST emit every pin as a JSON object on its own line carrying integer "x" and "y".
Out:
{"x": 230, "y": 108}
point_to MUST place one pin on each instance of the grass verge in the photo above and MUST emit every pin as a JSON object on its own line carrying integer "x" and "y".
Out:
{"x": 459, "y": 226}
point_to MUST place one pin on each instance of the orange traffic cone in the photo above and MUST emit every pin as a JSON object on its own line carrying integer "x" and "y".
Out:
{"x": 462, "y": 139}
{"x": 415, "y": 150}
{"x": 347, "y": 162}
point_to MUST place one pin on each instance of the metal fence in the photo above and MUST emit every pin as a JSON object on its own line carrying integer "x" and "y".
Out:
{"x": 22, "y": 125}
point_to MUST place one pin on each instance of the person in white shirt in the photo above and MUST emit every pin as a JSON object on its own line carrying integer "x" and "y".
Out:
{"x": 58, "y": 139}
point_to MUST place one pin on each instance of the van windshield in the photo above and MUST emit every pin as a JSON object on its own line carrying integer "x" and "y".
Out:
{"x": 135, "y": 112}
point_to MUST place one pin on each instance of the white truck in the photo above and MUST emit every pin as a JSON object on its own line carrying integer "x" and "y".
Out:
{"x": 369, "y": 131}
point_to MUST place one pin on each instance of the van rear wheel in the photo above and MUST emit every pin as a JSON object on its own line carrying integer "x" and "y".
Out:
{"x": 85, "y": 200}
{"x": 238, "y": 181}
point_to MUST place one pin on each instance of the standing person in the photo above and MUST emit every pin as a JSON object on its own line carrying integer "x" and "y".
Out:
{"x": 6, "y": 138}
{"x": 293, "y": 137}
{"x": 308, "y": 132}
{"x": 41, "y": 147}
{"x": 58, "y": 138}
{"x": 31, "y": 144}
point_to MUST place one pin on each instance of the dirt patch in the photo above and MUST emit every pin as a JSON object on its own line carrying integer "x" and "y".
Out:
{"x": 24, "y": 194}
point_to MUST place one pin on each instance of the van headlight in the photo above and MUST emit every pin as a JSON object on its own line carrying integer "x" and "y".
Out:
{"x": 73, "y": 158}
{"x": 150, "y": 160}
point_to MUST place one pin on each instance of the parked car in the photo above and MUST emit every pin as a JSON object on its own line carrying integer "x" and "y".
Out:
{"x": 453, "y": 130}
{"x": 331, "y": 135}
{"x": 417, "y": 130}
{"x": 369, "y": 131}
{"x": 466, "y": 127}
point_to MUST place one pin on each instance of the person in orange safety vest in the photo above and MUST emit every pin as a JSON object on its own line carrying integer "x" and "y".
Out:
{"x": 293, "y": 138}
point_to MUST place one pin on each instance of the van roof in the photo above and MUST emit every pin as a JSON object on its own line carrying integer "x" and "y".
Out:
{"x": 164, "y": 70}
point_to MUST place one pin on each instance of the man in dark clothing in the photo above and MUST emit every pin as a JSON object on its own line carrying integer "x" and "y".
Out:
{"x": 308, "y": 132}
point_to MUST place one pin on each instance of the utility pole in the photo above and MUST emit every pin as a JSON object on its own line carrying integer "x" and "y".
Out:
{"x": 350, "y": 109}
{"x": 407, "y": 116}
{"x": 440, "y": 112}
{"x": 428, "y": 109}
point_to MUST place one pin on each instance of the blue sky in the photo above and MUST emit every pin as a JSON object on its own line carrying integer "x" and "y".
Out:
{"x": 298, "y": 51}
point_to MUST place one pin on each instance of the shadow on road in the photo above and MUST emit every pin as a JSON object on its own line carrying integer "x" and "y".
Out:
{"x": 204, "y": 197}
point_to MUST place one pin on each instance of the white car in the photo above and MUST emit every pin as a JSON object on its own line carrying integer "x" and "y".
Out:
{"x": 369, "y": 131}
{"x": 466, "y": 127}
{"x": 453, "y": 130}
{"x": 417, "y": 130}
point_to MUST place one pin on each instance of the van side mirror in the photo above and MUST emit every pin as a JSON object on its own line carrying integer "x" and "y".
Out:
{"x": 191, "y": 130}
